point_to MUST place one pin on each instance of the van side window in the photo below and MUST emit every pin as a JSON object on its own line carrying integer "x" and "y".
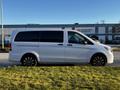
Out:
{"x": 27, "y": 36}
{"x": 76, "y": 38}
{"x": 51, "y": 36}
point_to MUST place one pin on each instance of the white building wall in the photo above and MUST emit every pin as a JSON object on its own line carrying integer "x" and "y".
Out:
{"x": 43, "y": 28}
{"x": 110, "y": 32}
{"x": 8, "y": 31}
{"x": 86, "y": 30}
{"x": 110, "y": 37}
{"x": 101, "y": 30}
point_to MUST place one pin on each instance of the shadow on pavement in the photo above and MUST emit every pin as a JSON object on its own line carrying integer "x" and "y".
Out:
{"x": 42, "y": 65}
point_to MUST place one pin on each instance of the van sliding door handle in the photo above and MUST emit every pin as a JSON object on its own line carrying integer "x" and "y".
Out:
{"x": 69, "y": 44}
{"x": 60, "y": 44}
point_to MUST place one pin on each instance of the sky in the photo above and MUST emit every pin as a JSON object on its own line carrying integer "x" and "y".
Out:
{"x": 60, "y": 11}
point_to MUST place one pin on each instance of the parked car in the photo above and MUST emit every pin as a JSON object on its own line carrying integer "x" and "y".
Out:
{"x": 57, "y": 46}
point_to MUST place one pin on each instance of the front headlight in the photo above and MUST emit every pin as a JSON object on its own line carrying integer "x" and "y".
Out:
{"x": 108, "y": 48}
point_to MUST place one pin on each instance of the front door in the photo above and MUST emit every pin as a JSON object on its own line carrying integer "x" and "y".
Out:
{"x": 78, "y": 48}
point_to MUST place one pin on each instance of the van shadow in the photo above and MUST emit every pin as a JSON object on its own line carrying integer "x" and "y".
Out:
{"x": 45, "y": 65}
{"x": 63, "y": 64}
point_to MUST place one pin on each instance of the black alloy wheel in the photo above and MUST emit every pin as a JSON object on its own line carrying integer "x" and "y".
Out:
{"x": 98, "y": 60}
{"x": 29, "y": 60}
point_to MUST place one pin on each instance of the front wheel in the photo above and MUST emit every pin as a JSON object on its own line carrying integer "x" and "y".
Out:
{"x": 98, "y": 60}
{"x": 29, "y": 60}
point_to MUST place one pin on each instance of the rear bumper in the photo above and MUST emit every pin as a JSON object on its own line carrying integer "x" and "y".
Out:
{"x": 14, "y": 58}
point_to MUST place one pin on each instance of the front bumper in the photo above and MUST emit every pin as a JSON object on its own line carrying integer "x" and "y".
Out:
{"x": 110, "y": 57}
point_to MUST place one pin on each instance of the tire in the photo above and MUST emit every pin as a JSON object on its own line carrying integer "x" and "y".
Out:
{"x": 98, "y": 60}
{"x": 29, "y": 60}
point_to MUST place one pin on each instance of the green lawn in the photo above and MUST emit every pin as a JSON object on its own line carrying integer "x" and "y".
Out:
{"x": 60, "y": 78}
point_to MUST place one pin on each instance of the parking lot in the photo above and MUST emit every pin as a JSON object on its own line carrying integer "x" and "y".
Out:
{"x": 5, "y": 62}
{"x": 116, "y": 59}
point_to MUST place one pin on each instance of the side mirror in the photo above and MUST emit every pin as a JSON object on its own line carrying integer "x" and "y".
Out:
{"x": 85, "y": 42}
{"x": 94, "y": 37}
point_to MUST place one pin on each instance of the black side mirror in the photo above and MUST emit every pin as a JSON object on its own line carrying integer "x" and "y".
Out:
{"x": 94, "y": 37}
{"x": 84, "y": 42}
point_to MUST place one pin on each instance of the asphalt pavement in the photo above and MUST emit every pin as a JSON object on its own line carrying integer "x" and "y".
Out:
{"x": 4, "y": 60}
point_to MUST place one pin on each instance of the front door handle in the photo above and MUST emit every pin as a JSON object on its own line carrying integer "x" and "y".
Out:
{"x": 60, "y": 44}
{"x": 69, "y": 44}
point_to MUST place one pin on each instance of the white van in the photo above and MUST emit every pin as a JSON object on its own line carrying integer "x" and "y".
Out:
{"x": 57, "y": 46}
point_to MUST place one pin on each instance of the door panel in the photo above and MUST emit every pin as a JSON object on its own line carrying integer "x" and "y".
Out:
{"x": 76, "y": 48}
{"x": 52, "y": 46}
{"x": 51, "y": 52}
{"x": 78, "y": 53}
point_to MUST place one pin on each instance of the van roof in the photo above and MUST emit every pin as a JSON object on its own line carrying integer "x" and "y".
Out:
{"x": 44, "y": 30}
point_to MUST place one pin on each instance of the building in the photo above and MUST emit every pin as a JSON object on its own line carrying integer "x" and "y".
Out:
{"x": 107, "y": 33}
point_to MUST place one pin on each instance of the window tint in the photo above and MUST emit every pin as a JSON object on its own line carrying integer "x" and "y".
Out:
{"x": 76, "y": 38}
{"x": 27, "y": 36}
{"x": 51, "y": 36}
{"x": 42, "y": 36}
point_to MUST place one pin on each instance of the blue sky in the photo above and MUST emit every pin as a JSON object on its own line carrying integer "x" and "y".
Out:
{"x": 61, "y": 11}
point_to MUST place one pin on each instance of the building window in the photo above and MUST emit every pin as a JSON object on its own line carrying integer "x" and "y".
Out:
{"x": 63, "y": 27}
{"x": 73, "y": 28}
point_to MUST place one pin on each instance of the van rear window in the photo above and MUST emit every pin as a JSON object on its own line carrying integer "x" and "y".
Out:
{"x": 27, "y": 36}
{"x": 39, "y": 36}
{"x": 51, "y": 36}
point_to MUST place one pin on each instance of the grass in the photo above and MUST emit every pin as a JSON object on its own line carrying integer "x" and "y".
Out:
{"x": 60, "y": 78}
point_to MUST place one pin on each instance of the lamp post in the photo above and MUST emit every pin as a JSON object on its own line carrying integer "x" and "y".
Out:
{"x": 2, "y": 28}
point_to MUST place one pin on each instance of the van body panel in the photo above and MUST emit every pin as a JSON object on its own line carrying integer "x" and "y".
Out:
{"x": 56, "y": 51}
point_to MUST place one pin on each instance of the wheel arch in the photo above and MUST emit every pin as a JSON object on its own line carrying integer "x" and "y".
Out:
{"x": 98, "y": 53}
{"x": 31, "y": 53}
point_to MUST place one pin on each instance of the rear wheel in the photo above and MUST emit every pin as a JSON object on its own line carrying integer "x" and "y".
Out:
{"x": 29, "y": 60}
{"x": 98, "y": 60}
